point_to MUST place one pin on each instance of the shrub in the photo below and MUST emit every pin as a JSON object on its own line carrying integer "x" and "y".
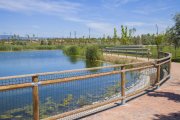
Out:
{"x": 5, "y": 47}
{"x": 72, "y": 50}
{"x": 17, "y": 48}
{"x": 46, "y": 47}
{"x": 93, "y": 53}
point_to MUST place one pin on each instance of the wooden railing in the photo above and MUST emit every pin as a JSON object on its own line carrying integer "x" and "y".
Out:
{"x": 122, "y": 70}
{"x": 129, "y": 50}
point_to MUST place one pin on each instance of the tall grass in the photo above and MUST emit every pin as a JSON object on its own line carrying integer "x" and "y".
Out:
{"x": 9, "y": 47}
{"x": 71, "y": 50}
{"x": 93, "y": 53}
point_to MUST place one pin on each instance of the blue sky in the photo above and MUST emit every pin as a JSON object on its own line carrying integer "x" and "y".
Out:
{"x": 57, "y": 18}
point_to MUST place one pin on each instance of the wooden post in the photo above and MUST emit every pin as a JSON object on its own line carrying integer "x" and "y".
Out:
{"x": 148, "y": 54}
{"x": 126, "y": 53}
{"x": 123, "y": 77}
{"x": 35, "y": 98}
{"x": 158, "y": 75}
{"x": 136, "y": 54}
{"x": 169, "y": 66}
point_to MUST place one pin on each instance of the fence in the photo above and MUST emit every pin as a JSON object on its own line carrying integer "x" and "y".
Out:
{"x": 56, "y": 95}
{"x": 137, "y": 51}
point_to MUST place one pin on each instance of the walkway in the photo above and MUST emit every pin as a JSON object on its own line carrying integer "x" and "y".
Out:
{"x": 162, "y": 104}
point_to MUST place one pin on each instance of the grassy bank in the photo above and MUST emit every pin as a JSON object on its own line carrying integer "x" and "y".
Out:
{"x": 166, "y": 49}
{"x": 91, "y": 53}
{"x": 29, "y": 47}
{"x": 80, "y": 50}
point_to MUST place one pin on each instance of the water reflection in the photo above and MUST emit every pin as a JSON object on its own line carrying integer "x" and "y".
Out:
{"x": 73, "y": 59}
{"x": 90, "y": 64}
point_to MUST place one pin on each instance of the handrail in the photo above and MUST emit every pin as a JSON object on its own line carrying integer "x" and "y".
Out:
{"x": 157, "y": 63}
{"x": 75, "y": 70}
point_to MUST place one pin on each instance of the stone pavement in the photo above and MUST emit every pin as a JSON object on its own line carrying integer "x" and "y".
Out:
{"x": 161, "y": 104}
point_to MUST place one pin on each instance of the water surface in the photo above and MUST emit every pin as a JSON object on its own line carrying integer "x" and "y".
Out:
{"x": 55, "y": 98}
{"x": 27, "y": 62}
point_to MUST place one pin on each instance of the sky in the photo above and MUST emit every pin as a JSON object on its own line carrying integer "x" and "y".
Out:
{"x": 57, "y": 18}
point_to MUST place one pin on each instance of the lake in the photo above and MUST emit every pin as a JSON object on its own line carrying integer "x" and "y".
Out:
{"x": 27, "y": 62}
{"x": 54, "y": 98}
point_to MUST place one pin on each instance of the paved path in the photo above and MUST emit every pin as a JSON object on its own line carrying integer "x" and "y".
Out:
{"x": 162, "y": 104}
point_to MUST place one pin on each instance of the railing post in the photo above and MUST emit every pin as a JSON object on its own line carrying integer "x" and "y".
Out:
{"x": 136, "y": 54}
{"x": 158, "y": 75}
{"x": 169, "y": 66}
{"x": 123, "y": 77}
{"x": 148, "y": 52}
{"x": 126, "y": 53}
{"x": 35, "y": 98}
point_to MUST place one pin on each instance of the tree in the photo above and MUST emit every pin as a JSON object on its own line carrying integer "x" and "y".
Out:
{"x": 176, "y": 33}
{"x": 148, "y": 39}
{"x": 43, "y": 42}
{"x": 104, "y": 39}
{"x": 27, "y": 36}
{"x": 115, "y": 36}
{"x": 131, "y": 33}
{"x": 34, "y": 36}
{"x": 173, "y": 33}
{"x": 159, "y": 40}
{"x": 124, "y": 35}
{"x": 50, "y": 42}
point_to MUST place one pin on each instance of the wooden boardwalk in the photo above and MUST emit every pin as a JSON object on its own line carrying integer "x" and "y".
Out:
{"x": 161, "y": 104}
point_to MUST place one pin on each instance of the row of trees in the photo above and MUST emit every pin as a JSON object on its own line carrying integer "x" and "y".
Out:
{"x": 127, "y": 37}
{"x": 173, "y": 33}
{"x": 171, "y": 37}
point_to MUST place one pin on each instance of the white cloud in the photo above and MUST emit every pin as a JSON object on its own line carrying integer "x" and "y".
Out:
{"x": 105, "y": 28}
{"x": 35, "y": 26}
{"x": 134, "y": 24}
{"x": 145, "y": 10}
{"x": 77, "y": 12}
{"x": 116, "y": 3}
{"x": 61, "y": 8}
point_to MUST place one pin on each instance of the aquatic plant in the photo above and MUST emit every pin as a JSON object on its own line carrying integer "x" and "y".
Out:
{"x": 93, "y": 53}
{"x": 47, "y": 108}
{"x": 82, "y": 101}
{"x": 72, "y": 50}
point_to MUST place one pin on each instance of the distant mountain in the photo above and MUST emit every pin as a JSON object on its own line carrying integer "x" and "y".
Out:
{"x": 5, "y": 36}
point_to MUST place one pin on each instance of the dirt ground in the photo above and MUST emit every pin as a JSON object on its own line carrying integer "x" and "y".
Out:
{"x": 161, "y": 104}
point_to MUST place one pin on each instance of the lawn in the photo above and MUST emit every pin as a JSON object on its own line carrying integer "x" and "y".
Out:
{"x": 166, "y": 49}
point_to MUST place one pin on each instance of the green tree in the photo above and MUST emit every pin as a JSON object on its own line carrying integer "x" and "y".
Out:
{"x": 173, "y": 33}
{"x": 93, "y": 53}
{"x": 176, "y": 33}
{"x": 124, "y": 35}
{"x": 131, "y": 34}
{"x": 43, "y": 42}
{"x": 148, "y": 39}
{"x": 159, "y": 40}
{"x": 50, "y": 42}
{"x": 115, "y": 36}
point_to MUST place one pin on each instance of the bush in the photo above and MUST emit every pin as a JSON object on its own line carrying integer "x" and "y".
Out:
{"x": 17, "y": 48}
{"x": 46, "y": 47}
{"x": 72, "y": 50}
{"x": 176, "y": 60}
{"x": 5, "y": 48}
{"x": 93, "y": 53}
